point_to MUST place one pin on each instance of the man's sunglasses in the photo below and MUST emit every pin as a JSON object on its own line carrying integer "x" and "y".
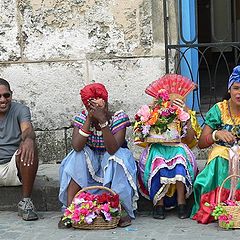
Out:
{"x": 5, "y": 95}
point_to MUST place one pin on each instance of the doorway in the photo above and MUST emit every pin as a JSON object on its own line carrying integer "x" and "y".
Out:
{"x": 218, "y": 23}
{"x": 210, "y": 57}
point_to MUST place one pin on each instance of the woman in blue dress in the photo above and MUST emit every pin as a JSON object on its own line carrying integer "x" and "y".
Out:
{"x": 100, "y": 155}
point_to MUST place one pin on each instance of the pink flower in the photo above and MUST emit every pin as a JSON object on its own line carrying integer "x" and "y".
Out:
{"x": 86, "y": 207}
{"x": 146, "y": 130}
{"x": 165, "y": 113}
{"x": 223, "y": 218}
{"x": 144, "y": 113}
{"x": 105, "y": 207}
{"x": 84, "y": 211}
{"x": 88, "y": 204}
{"x": 76, "y": 216}
{"x": 173, "y": 109}
{"x": 230, "y": 203}
{"x": 78, "y": 201}
{"x": 85, "y": 196}
{"x": 183, "y": 116}
{"x": 163, "y": 94}
{"x": 97, "y": 210}
{"x": 67, "y": 212}
{"x": 107, "y": 216}
{"x": 90, "y": 217}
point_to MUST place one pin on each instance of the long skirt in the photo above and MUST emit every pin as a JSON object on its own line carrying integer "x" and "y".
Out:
{"x": 206, "y": 189}
{"x": 89, "y": 168}
{"x": 160, "y": 166}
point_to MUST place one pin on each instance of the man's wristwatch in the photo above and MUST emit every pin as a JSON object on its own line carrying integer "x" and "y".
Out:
{"x": 103, "y": 125}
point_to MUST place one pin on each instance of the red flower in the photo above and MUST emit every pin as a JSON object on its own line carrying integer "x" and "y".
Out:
{"x": 114, "y": 201}
{"x": 88, "y": 196}
{"x": 103, "y": 198}
{"x": 84, "y": 211}
{"x": 137, "y": 117}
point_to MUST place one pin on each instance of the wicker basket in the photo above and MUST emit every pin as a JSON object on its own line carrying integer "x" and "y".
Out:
{"x": 233, "y": 210}
{"x": 172, "y": 135}
{"x": 99, "y": 222}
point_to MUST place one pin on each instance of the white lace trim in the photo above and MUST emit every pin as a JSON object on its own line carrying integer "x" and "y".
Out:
{"x": 91, "y": 169}
{"x": 166, "y": 184}
{"x": 142, "y": 193}
{"x": 129, "y": 177}
{"x": 179, "y": 160}
{"x": 120, "y": 162}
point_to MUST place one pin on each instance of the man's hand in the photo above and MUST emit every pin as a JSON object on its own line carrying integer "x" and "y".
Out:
{"x": 27, "y": 147}
{"x": 26, "y": 152}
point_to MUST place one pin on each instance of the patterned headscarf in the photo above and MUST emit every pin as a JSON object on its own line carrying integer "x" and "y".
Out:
{"x": 235, "y": 77}
{"x": 93, "y": 90}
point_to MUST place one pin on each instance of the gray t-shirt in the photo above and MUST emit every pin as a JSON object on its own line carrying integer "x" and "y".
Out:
{"x": 10, "y": 131}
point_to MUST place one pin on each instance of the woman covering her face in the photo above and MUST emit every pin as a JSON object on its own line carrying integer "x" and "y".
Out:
{"x": 222, "y": 128}
{"x": 100, "y": 155}
{"x": 167, "y": 170}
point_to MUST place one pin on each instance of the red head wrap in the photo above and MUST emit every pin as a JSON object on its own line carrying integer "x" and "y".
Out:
{"x": 94, "y": 90}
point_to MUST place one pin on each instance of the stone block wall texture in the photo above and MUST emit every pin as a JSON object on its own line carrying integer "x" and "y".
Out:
{"x": 49, "y": 49}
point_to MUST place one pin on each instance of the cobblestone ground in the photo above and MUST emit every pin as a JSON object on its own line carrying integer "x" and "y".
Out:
{"x": 143, "y": 228}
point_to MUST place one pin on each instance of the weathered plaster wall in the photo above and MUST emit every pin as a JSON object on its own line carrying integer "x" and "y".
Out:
{"x": 49, "y": 49}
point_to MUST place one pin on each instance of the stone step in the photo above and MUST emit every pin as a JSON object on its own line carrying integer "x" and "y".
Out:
{"x": 45, "y": 192}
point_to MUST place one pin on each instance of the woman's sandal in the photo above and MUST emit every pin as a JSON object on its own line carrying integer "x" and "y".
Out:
{"x": 159, "y": 212}
{"x": 125, "y": 220}
{"x": 66, "y": 223}
{"x": 183, "y": 211}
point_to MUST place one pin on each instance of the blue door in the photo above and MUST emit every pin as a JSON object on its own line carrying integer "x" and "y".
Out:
{"x": 189, "y": 56}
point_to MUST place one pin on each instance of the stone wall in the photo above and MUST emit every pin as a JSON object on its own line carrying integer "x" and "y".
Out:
{"x": 49, "y": 49}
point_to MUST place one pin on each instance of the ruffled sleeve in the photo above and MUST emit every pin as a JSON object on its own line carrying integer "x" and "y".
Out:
{"x": 120, "y": 121}
{"x": 79, "y": 119}
{"x": 196, "y": 128}
{"x": 195, "y": 125}
{"x": 213, "y": 117}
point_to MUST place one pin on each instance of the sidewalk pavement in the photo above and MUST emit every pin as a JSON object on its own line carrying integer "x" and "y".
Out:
{"x": 143, "y": 228}
{"x": 46, "y": 189}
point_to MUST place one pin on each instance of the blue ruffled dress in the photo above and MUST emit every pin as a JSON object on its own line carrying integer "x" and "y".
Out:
{"x": 95, "y": 166}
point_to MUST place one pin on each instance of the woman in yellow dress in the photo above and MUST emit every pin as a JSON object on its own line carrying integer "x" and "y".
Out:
{"x": 222, "y": 130}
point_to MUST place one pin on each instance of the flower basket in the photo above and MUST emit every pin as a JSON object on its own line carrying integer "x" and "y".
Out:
{"x": 171, "y": 135}
{"x": 159, "y": 122}
{"x": 233, "y": 211}
{"x": 104, "y": 215}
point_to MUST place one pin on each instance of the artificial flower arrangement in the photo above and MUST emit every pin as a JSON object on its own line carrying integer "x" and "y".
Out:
{"x": 219, "y": 212}
{"x": 87, "y": 207}
{"x": 159, "y": 121}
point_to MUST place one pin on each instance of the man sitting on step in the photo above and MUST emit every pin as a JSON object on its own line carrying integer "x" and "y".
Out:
{"x": 18, "y": 153}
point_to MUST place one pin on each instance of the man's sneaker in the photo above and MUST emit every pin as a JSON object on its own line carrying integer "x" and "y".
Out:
{"x": 27, "y": 210}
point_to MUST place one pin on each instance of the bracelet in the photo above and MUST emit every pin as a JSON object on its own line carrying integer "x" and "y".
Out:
{"x": 85, "y": 131}
{"x": 214, "y": 136}
{"x": 103, "y": 125}
{"x": 81, "y": 132}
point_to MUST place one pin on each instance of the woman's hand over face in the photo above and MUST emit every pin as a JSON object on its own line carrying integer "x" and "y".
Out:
{"x": 180, "y": 103}
{"x": 97, "y": 110}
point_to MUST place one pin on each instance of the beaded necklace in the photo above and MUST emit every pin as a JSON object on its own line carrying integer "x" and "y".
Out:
{"x": 99, "y": 132}
{"x": 236, "y": 128}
